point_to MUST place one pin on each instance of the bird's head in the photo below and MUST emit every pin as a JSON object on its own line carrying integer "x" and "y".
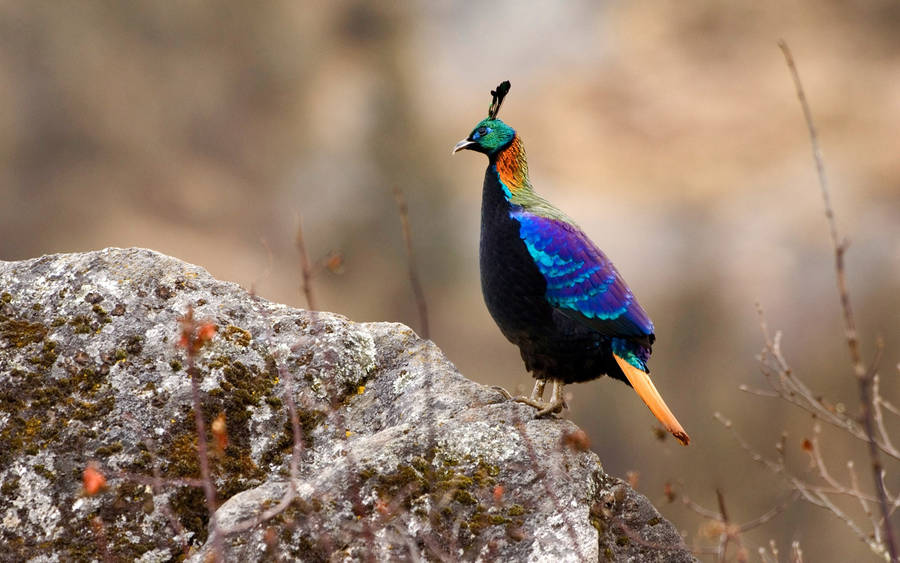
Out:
{"x": 490, "y": 135}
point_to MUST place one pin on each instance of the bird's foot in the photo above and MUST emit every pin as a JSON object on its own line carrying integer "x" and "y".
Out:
{"x": 553, "y": 407}
{"x": 556, "y": 404}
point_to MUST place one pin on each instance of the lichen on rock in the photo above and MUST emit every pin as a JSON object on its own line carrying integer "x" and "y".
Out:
{"x": 401, "y": 457}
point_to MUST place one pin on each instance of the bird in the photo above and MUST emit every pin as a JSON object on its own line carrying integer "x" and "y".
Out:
{"x": 551, "y": 291}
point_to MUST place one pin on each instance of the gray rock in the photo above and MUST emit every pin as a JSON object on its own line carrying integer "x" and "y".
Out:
{"x": 402, "y": 458}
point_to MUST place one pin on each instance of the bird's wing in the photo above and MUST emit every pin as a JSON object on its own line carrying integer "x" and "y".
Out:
{"x": 581, "y": 281}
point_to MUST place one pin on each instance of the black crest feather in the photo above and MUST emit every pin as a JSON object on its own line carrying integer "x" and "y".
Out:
{"x": 498, "y": 95}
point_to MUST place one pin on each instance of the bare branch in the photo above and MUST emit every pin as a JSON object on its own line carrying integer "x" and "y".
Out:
{"x": 863, "y": 376}
{"x": 297, "y": 449}
{"x": 729, "y": 532}
{"x": 418, "y": 293}
{"x": 796, "y": 553}
{"x": 306, "y": 272}
{"x": 193, "y": 337}
{"x": 704, "y": 512}
{"x": 812, "y": 494}
{"x": 99, "y": 530}
{"x": 767, "y": 516}
{"x": 758, "y": 392}
{"x": 864, "y": 503}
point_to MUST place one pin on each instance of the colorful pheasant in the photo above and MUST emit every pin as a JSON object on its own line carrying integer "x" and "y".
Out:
{"x": 551, "y": 291}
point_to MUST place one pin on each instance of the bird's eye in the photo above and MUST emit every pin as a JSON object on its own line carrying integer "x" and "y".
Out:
{"x": 480, "y": 132}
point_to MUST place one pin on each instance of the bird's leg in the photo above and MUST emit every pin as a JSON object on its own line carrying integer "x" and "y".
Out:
{"x": 557, "y": 400}
{"x": 537, "y": 394}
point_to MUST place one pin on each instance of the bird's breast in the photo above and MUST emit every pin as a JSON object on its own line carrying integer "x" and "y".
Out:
{"x": 513, "y": 287}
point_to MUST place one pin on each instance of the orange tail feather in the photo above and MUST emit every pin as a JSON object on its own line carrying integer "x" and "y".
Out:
{"x": 645, "y": 389}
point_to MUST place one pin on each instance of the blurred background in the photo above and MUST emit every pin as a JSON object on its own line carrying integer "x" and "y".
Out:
{"x": 670, "y": 132}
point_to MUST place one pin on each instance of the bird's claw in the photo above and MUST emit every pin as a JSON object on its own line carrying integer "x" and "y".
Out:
{"x": 554, "y": 407}
{"x": 502, "y": 391}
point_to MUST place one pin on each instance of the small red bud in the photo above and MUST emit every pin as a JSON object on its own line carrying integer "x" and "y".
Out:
{"x": 498, "y": 494}
{"x": 93, "y": 480}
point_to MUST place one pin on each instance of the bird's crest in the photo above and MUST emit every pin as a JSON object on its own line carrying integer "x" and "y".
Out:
{"x": 498, "y": 95}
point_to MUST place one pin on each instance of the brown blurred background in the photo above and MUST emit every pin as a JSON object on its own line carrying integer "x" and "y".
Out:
{"x": 669, "y": 131}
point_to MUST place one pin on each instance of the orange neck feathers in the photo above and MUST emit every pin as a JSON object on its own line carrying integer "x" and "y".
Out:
{"x": 512, "y": 167}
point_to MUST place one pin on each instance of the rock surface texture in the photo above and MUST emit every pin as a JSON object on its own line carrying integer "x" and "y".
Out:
{"x": 399, "y": 457}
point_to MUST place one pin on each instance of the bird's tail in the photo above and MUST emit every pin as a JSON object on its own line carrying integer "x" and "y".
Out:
{"x": 645, "y": 389}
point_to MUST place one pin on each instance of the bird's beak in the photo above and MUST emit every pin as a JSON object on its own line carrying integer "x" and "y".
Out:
{"x": 464, "y": 144}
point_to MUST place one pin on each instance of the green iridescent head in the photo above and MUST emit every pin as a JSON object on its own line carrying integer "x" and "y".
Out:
{"x": 491, "y": 134}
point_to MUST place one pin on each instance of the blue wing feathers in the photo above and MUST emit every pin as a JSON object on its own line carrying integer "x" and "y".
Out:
{"x": 580, "y": 276}
{"x": 581, "y": 280}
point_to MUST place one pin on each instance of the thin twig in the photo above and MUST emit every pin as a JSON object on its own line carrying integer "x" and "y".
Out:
{"x": 209, "y": 489}
{"x": 166, "y": 507}
{"x": 291, "y": 491}
{"x": 890, "y": 407}
{"x": 811, "y": 494}
{"x": 99, "y": 530}
{"x": 270, "y": 261}
{"x": 726, "y": 536}
{"x": 863, "y": 502}
{"x": 820, "y": 462}
{"x": 796, "y": 553}
{"x": 418, "y": 293}
{"x": 767, "y": 516}
{"x": 153, "y": 481}
{"x": 156, "y": 483}
{"x": 305, "y": 269}
{"x": 729, "y": 531}
{"x": 298, "y": 447}
{"x": 877, "y": 403}
{"x": 194, "y": 335}
{"x": 635, "y": 537}
{"x": 757, "y": 392}
{"x": 704, "y": 512}
{"x": 863, "y": 377}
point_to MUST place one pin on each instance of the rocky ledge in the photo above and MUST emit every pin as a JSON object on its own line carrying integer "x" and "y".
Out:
{"x": 398, "y": 456}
